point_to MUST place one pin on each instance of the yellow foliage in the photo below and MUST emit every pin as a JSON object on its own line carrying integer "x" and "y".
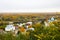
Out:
{"x": 51, "y": 23}
{"x": 37, "y": 36}
{"x": 30, "y": 26}
{"x": 37, "y": 25}
{"x": 22, "y": 29}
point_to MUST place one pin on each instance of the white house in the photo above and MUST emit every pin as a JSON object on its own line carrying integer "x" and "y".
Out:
{"x": 10, "y": 27}
{"x": 52, "y": 19}
{"x": 29, "y": 23}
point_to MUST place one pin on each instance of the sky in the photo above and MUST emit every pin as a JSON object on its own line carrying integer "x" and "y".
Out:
{"x": 29, "y": 5}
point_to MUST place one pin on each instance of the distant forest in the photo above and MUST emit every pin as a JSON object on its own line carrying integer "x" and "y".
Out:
{"x": 24, "y": 17}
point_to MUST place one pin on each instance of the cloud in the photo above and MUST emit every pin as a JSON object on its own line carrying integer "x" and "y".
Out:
{"x": 29, "y": 5}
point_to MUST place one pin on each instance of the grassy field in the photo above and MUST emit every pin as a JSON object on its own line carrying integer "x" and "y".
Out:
{"x": 41, "y": 32}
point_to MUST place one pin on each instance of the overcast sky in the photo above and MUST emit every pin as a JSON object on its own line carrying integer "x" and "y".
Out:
{"x": 29, "y": 5}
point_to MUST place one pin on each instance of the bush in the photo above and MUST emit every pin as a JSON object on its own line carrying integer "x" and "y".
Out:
{"x": 40, "y": 33}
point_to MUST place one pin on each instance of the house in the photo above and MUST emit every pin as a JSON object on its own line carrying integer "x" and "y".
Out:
{"x": 10, "y": 27}
{"x": 29, "y": 23}
{"x": 51, "y": 19}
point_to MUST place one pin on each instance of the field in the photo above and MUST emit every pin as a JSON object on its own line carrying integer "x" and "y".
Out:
{"x": 41, "y": 32}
